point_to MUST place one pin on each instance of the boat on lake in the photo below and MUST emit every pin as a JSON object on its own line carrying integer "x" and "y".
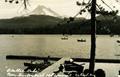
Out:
{"x": 111, "y": 35}
{"x": 81, "y": 40}
{"x": 64, "y": 38}
{"x": 118, "y": 41}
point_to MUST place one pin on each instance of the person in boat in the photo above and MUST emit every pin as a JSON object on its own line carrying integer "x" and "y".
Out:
{"x": 119, "y": 73}
{"x": 59, "y": 70}
{"x": 100, "y": 73}
{"x": 86, "y": 73}
{"x": 46, "y": 60}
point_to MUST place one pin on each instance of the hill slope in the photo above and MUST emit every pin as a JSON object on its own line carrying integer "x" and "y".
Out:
{"x": 42, "y": 24}
{"x": 22, "y": 24}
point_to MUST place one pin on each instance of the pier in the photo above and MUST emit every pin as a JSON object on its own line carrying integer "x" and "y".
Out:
{"x": 54, "y": 67}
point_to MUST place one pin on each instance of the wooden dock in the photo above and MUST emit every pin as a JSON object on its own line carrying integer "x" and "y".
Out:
{"x": 49, "y": 71}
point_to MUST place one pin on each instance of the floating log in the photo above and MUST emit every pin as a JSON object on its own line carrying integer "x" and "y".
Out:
{"x": 20, "y": 57}
{"x": 97, "y": 60}
{"x": 17, "y": 57}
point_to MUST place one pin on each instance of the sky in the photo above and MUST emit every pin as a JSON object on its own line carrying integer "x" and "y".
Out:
{"x": 62, "y": 7}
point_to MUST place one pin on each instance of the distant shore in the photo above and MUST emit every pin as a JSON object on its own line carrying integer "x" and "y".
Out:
{"x": 34, "y": 24}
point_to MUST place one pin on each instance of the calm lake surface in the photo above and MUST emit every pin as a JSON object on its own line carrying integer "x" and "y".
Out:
{"x": 53, "y": 45}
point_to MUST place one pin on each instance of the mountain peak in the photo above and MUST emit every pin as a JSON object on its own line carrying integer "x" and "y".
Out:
{"x": 43, "y": 10}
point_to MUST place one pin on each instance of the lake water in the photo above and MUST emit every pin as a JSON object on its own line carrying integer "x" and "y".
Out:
{"x": 53, "y": 45}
